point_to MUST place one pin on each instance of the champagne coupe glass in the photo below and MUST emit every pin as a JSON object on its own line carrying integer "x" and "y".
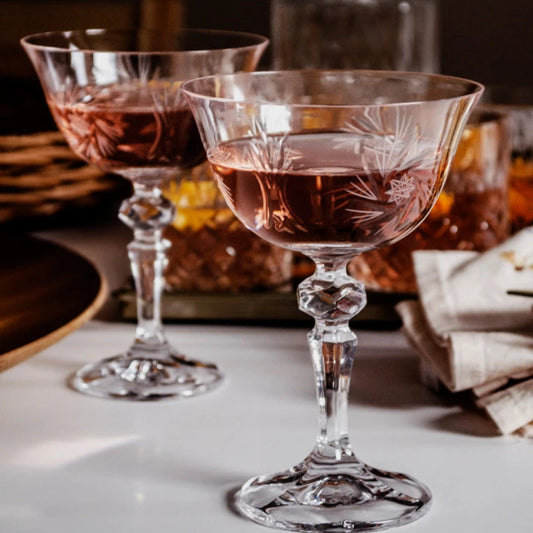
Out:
{"x": 115, "y": 95}
{"x": 331, "y": 163}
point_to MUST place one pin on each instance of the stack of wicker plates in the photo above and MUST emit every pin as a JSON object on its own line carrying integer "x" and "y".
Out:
{"x": 41, "y": 176}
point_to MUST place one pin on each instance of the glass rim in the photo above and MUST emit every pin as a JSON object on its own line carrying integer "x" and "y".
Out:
{"x": 476, "y": 88}
{"x": 256, "y": 40}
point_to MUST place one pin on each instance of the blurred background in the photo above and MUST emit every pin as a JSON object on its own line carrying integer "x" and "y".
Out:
{"x": 42, "y": 184}
{"x": 486, "y": 40}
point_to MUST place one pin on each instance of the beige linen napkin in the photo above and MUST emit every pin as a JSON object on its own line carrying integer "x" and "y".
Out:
{"x": 512, "y": 407}
{"x": 468, "y": 358}
{"x": 467, "y": 291}
{"x": 471, "y": 332}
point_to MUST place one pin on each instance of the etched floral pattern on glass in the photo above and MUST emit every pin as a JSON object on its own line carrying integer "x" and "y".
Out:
{"x": 379, "y": 180}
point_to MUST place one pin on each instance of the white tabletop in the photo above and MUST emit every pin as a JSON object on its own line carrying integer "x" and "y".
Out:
{"x": 71, "y": 463}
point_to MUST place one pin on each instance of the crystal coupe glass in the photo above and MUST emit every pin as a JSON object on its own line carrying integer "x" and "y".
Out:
{"x": 331, "y": 163}
{"x": 115, "y": 95}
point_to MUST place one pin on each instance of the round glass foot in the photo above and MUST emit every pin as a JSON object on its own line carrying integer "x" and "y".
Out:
{"x": 146, "y": 378}
{"x": 344, "y": 495}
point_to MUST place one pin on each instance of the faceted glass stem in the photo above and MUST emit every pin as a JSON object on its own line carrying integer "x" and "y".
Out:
{"x": 331, "y": 489}
{"x": 151, "y": 369}
{"x": 147, "y": 212}
{"x": 332, "y": 298}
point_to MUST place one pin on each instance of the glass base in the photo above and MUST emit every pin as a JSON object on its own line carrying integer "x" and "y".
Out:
{"x": 130, "y": 377}
{"x": 323, "y": 494}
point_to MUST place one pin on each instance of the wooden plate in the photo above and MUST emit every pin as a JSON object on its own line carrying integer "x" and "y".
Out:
{"x": 46, "y": 292}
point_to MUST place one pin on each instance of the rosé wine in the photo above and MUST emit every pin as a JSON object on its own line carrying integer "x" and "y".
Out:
{"x": 116, "y": 132}
{"x": 289, "y": 200}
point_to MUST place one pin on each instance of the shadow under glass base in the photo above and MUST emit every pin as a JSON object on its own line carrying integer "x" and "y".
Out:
{"x": 344, "y": 495}
{"x": 146, "y": 378}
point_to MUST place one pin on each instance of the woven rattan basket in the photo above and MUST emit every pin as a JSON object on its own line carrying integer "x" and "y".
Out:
{"x": 41, "y": 176}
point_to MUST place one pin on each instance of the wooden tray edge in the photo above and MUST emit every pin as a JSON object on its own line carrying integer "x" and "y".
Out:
{"x": 22, "y": 353}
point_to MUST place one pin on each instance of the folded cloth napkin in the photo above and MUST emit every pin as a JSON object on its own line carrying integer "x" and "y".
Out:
{"x": 467, "y": 291}
{"x": 474, "y": 329}
{"x": 511, "y": 407}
